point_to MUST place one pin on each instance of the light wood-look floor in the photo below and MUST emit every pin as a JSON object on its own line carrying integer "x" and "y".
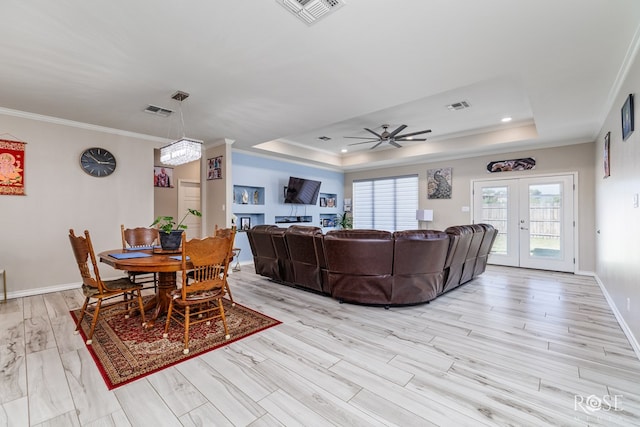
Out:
{"x": 514, "y": 347}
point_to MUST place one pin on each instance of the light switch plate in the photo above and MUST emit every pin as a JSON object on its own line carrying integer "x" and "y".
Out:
{"x": 635, "y": 200}
{"x": 465, "y": 209}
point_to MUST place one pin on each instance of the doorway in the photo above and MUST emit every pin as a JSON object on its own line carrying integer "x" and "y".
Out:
{"x": 534, "y": 217}
{"x": 189, "y": 198}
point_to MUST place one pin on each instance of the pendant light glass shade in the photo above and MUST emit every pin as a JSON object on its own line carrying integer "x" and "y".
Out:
{"x": 182, "y": 151}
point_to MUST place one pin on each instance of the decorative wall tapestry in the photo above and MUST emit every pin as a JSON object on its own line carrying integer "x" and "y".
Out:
{"x": 214, "y": 168}
{"x": 511, "y": 165}
{"x": 439, "y": 183}
{"x": 12, "y": 155}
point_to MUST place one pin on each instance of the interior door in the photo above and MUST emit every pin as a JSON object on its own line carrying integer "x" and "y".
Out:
{"x": 189, "y": 198}
{"x": 534, "y": 218}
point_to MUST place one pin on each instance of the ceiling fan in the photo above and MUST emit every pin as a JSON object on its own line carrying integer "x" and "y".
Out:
{"x": 390, "y": 137}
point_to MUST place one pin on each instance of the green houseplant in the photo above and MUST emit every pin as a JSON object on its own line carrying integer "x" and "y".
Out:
{"x": 345, "y": 221}
{"x": 170, "y": 232}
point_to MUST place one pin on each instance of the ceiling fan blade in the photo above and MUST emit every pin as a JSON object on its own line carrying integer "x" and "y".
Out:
{"x": 414, "y": 133}
{"x": 364, "y": 142}
{"x": 360, "y": 137}
{"x": 410, "y": 139}
{"x": 397, "y": 131}
{"x": 375, "y": 145}
{"x": 395, "y": 144}
{"x": 376, "y": 134}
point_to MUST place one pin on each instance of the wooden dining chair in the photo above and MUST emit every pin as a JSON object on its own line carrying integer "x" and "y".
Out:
{"x": 222, "y": 232}
{"x": 96, "y": 290}
{"x": 200, "y": 299}
{"x": 140, "y": 237}
{"x": 227, "y": 232}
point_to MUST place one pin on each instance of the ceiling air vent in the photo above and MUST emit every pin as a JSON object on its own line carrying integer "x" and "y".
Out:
{"x": 310, "y": 11}
{"x": 459, "y": 105}
{"x": 158, "y": 111}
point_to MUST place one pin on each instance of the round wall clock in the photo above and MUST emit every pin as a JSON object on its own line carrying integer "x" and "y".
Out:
{"x": 98, "y": 162}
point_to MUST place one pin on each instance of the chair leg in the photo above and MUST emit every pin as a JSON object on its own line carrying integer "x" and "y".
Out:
{"x": 82, "y": 313}
{"x": 187, "y": 317}
{"x": 166, "y": 325}
{"x": 226, "y": 285}
{"x": 141, "y": 304}
{"x": 224, "y": 319}
{"x": 94, "y": 322}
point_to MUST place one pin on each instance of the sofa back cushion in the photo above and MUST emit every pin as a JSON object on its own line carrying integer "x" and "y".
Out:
{"x": 360, "y": 265}
{"x": 264, "y": 255}
{"x": 418, "y": 265}
{"x": 301, "y": 241}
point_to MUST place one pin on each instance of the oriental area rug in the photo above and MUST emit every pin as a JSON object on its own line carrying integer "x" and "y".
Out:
{"x": 125, "y": 352}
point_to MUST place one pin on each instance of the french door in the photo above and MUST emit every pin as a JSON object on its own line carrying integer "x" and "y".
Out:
{"x": 534, "y": 218}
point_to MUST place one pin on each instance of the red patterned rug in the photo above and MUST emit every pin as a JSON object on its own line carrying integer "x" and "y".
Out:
{"x": 125, "y": 352}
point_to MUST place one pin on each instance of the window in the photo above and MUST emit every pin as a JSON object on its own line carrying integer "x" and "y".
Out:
{"x": 386, "y": 203}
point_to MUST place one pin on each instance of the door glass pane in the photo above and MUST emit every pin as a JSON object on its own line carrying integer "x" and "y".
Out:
{"x": 495, "y": 210}
{"x": 545, "y": 203}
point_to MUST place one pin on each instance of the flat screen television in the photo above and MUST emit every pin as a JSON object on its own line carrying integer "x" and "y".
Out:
{"x": 302, "y": 191}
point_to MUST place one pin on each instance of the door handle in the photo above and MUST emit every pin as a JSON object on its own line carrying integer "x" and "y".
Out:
{"x": 523, "y": 228}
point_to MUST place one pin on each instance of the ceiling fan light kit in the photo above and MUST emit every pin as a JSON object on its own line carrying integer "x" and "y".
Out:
{"x": 390, "y": 137}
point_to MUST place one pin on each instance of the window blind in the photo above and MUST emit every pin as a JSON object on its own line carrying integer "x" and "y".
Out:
{"x": 386, "y": 203}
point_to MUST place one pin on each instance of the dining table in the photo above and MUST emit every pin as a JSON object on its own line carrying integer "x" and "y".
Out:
{"x": 152, "y": 260}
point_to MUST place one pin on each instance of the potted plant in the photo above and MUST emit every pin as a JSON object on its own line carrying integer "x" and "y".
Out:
{"x": 345, "y": 221}
{"x": 170, "y": 233}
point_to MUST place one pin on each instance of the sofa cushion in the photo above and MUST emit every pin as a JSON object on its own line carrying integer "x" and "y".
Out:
{"x": 418, "y": 265}
{"x": 360, "y": 265}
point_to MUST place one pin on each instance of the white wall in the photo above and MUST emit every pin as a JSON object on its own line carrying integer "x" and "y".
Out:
{"x": 617, "y": 220}
{"x": 34, "y": 244}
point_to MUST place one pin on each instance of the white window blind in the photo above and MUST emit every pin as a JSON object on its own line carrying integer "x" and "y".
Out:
{"x": 386, "y": 203}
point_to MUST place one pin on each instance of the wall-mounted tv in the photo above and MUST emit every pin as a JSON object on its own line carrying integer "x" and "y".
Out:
{"x": 302, "y": 191}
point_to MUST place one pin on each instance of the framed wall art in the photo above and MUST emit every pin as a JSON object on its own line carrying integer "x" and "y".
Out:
{"x": 439, "y": 183}
{"x": 214, "y": 168}
{"x": 162, "y": 177}
{"x": 627, "y": 117}
{"x": 511, "y": 165}
{"x": 245, "y": 223}
{"x": 606, "y": 154}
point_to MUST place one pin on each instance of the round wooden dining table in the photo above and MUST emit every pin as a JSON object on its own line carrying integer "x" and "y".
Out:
{"x": 165, "y": 264}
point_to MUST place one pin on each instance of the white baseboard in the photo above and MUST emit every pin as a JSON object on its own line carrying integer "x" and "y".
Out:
{"x": 40, "y": 291}
{"x": 623, "y": 324}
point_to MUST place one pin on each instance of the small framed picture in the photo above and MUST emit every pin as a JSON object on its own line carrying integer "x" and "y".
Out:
{"x": 326, "y": 222}
{"x": 331, "y": 202}
{"x": 627, "y": 117}
{"x": 323, "y": 202}
{"x": 162, "y": 177}
{"x": 214, "y": 168}
{"x": 245, "y": 223}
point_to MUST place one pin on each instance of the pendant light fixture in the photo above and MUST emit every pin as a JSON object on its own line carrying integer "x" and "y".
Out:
{"x": 184, "y": 150}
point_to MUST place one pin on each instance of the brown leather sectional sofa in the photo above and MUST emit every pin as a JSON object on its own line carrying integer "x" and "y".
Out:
{"x": 372, "y": 266}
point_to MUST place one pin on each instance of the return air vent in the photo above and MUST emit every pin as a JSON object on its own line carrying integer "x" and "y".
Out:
{"x": 459, "y": 105}
{"x": 310, "y": 11}
{"x": 158, "y": 111}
